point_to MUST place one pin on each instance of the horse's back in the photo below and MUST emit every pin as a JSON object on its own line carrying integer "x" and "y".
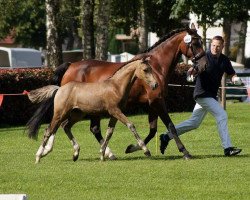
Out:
{"x": 90, "y": 71}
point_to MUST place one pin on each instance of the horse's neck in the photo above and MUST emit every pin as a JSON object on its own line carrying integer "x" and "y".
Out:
{"x": 125, "y": 77}
{"x": 168, "y": 54}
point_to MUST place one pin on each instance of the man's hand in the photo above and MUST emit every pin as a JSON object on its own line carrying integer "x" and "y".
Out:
{"x": 191, "y": 71}
{"x": 236, "y": 80}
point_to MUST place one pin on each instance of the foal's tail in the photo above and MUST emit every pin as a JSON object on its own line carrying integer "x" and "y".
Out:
{"x": 45, "y": 96}
{"x": 46, "y": 99}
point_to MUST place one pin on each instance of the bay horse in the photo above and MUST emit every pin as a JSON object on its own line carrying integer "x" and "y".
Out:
{"x": 166, "y": 54}
{"x": 94, "y": 98}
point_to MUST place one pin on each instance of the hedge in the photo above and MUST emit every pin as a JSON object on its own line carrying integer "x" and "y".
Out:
{"x": 17, "y": 110}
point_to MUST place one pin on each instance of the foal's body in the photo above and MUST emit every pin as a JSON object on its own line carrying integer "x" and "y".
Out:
{"x": 94, "y": 98}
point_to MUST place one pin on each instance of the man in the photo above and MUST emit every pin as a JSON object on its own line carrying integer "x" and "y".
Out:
{"x": 205, "y": 92}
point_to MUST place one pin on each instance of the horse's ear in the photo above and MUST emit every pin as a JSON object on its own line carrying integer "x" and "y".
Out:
{"x": 194, "y": 25}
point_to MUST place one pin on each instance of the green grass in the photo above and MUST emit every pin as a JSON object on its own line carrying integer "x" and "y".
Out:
{"x": 209, "y": 175}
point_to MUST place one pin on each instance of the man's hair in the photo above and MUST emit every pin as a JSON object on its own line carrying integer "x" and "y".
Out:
{"x": 217, "y": 37}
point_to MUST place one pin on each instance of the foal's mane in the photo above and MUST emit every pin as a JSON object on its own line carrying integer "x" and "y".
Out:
{"x": 165, "y": 37}
{"x": 124, "y": 64}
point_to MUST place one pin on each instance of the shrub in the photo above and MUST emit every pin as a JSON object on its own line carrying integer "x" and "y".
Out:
{"x": 17, "y": 110}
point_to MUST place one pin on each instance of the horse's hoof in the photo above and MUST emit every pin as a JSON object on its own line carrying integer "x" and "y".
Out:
{"x": 75, "y": 158}
{"x": 147, "y": 153}
{"x": 128, "y": 150}
{"x": 132, "y": 148}
{"x": 112, "y": 157}
{"x": 187, "y": 157}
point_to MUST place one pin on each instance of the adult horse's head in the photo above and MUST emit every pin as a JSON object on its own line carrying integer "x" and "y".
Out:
{"x": 144, "y": 72}
{"x": 191, "y": 46}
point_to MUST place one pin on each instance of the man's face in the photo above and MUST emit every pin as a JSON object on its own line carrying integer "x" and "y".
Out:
{"x": 216, "y": 47}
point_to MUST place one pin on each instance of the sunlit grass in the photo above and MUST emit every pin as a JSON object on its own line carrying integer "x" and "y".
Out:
{"x": 209, "y": 175}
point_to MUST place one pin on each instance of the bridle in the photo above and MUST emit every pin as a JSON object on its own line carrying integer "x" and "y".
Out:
{"x": 197, "y": 56}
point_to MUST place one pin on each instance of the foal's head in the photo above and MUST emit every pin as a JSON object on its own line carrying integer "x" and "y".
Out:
{"x": 145, "y": 73}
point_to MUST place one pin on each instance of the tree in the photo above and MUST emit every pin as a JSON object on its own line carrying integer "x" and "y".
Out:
{"x": 159, "y": 16}
{"x": 28, "y": 28}
{"x": 88, "y": 29}
{"x": 235, "y": 11}
{"x": 102, "y": 29}
{"x": 204, "y": 10}
{"x": 54, "y": 45}
{"x": 70, "y": 23}
{"x": 143, "y": 27}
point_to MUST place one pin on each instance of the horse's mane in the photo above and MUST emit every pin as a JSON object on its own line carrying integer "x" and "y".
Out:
{"x": 165, "y": 37}
{"x": 161, "y": 40}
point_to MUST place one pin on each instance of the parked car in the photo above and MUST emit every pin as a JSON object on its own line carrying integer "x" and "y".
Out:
{"x": 19, "y": 58}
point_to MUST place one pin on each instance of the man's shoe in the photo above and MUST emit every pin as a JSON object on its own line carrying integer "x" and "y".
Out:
{"x": 231, "y": 151}
{"x": 164, "y": 140}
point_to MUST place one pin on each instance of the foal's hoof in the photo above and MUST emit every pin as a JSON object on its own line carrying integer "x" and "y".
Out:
{"x": 187, "y": 157}
{"x": 112, "y": 157}
{"x": 147, "y": 153}
{"x": 37, "y": 160}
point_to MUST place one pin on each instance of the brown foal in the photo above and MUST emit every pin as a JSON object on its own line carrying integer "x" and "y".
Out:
{"x": 108, "y": 96}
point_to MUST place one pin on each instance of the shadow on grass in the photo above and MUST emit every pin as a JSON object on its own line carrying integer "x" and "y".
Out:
{"x": 160, "y": 158}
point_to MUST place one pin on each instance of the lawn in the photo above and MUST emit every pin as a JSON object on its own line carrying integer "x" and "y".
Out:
{"x": 209, "y": 175}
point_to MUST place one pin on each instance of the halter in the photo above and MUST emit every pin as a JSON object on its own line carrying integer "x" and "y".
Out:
{"x": 188, "y": 40}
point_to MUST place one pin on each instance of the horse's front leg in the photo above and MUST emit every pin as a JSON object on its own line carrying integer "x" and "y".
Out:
{"x": 152, "y": 119}
{"x": 96, "y": 130}
{"x": 121, "y": 117}
{"x": 162, "y": 110}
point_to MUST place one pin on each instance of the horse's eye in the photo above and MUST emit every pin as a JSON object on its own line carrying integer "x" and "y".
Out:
{"x": 147, "y": 70}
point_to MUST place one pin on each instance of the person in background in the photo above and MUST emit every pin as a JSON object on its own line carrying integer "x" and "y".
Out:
{"x": 205, "y": 92}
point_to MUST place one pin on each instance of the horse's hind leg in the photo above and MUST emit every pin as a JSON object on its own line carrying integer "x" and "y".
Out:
{"x": 171, "y": 128}
{"x": 95, "y": 129}
{"x": 152, "y": 119}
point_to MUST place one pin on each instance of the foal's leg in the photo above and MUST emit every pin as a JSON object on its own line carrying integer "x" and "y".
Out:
{"x": 121, "y": 117}
{"x": 49, "y": 146}
{"x": 152, "y": 119}
{"x": 110, "y": 130}
{"x": 51, "y": 130}
{"x": 67, "y": 125}
{"x": 95, "y": 129}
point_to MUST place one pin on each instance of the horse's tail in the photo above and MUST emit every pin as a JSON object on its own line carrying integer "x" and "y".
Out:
{"x": 59, "y": 72}
{"x": 45, "y": 96}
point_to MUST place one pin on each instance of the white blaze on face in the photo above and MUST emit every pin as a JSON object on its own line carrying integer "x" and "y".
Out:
{"x": 187, "y": 39}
